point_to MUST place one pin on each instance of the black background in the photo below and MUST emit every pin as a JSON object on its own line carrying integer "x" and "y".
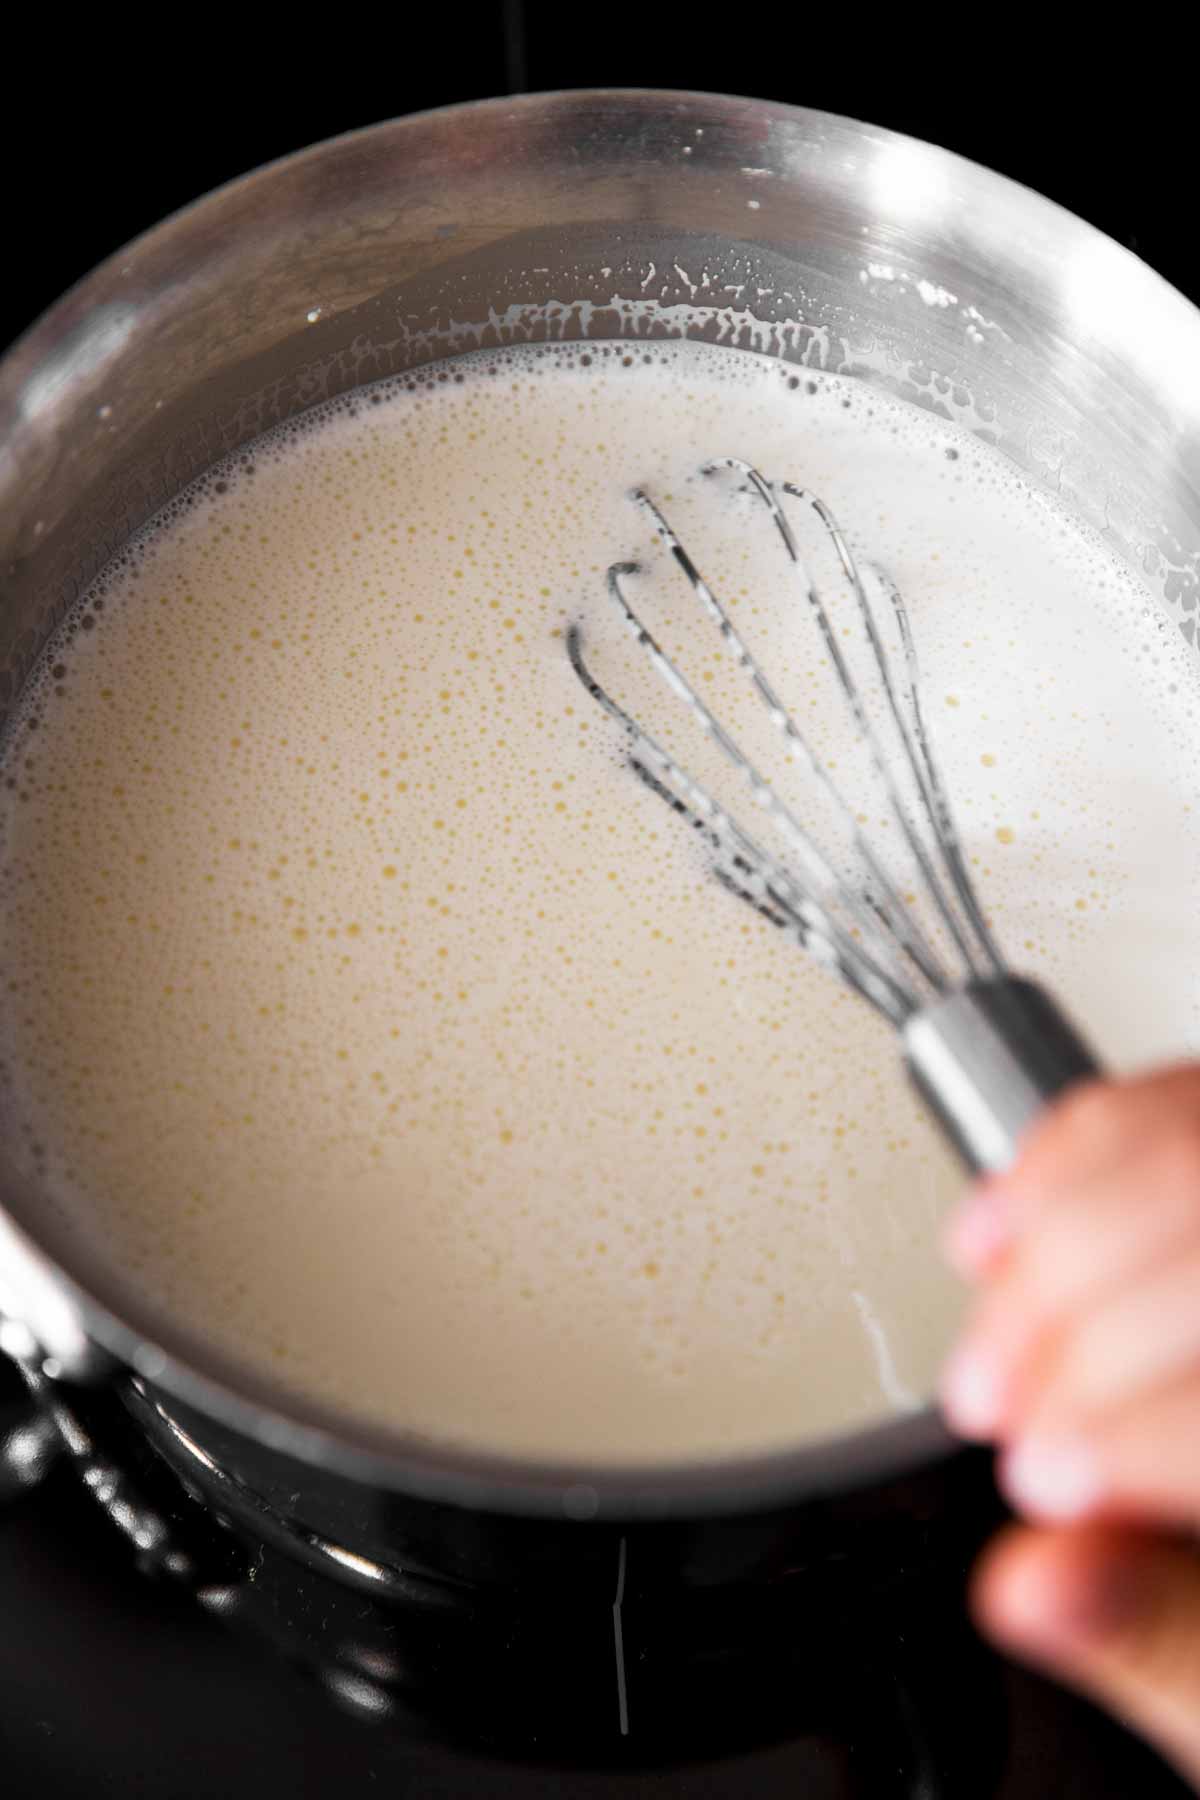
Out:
{"x": 103, "y": 130}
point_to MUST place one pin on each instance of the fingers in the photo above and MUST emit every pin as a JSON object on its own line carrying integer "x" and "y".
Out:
{"x": 1140, "y": 1461}
{"x": 1125, "y": 1341}
{"x": 1109, "y": 1612}
{"x": 1100, "y": 1123}
{"x": 1092, "y": 1287}
{"x": 1082, "y": 1362}
{"x": 1090, "y": 1348}
{"x": 1088, "y": 1229}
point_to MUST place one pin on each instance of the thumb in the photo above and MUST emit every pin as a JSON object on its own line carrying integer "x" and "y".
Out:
{"x": 1111, "y": 1612}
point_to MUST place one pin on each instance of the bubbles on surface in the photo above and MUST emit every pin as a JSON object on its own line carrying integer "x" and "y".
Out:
{"x": 384, "y": 1026}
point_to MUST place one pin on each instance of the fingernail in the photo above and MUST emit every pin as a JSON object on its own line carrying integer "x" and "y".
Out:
{"x": 978, "y": 1231}
{"x": 1055, "y": 1478}
{"x": 970, "y": 1393}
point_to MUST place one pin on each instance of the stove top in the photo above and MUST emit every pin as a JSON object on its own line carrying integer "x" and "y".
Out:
{"x": 121, "y": 1676}
{"x": 148, "y": 1651}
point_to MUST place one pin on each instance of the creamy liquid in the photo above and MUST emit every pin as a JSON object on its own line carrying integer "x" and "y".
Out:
{"x": 374, "y": 1017}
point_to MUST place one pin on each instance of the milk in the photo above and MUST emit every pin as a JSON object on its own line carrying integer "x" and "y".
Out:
{"x": 376, "y": 1018}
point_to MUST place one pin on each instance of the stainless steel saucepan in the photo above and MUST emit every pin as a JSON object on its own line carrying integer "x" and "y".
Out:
{"x": 830, "y": 243}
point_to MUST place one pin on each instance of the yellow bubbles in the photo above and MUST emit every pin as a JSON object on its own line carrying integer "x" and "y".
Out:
{"x": 392, "y": 1030}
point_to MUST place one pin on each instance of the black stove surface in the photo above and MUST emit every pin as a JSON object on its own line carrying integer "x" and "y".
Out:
{"x": 116, "y": 1681}
{"x": 113, "y": 1684}
{"x": 149, "y": 1652}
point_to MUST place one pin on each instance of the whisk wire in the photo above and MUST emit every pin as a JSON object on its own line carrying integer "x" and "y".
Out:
{"x": 988, "y": 1050}
{"x": 853, "y": 917}
{"x": 928, "y": 778}
{"x": 880, "y": 896}
{"x": 819, "y": 880}
{"x": 765, "y": 878}
{"x": 864, "y": 724}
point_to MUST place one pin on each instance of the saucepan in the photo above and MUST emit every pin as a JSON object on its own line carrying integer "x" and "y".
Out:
{"x": 789, "y": 232}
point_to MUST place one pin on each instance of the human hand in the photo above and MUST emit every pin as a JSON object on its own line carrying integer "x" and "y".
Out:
{"x": 1081, "y": 1361}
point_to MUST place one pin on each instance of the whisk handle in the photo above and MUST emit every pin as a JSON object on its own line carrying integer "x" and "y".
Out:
{"x": 987, "y": 1058}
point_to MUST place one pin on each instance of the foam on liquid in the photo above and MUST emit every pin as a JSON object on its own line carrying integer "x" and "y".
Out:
{"x": 372, "y": 1014}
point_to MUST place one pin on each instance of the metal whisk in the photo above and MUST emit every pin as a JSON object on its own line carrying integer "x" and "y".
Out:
{"x": 987, "y": 1049}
